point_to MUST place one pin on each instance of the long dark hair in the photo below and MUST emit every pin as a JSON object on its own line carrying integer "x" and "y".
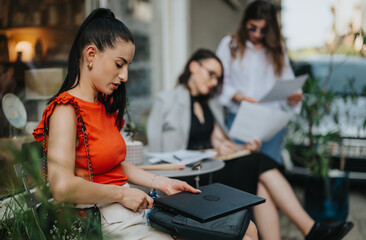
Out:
{"x": 102, "y": 29}
{"x": 272, "y": 40}
{"x": 199, "y": 56}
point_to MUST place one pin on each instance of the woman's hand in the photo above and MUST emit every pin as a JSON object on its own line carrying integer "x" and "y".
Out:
{"x": 226, "y": 147}
{"x": 171, "y": 186}
{"x": 294, "y": 98}
{"x": 238, "y": 97}
{"x": 135, "y": 199}
{"x": 253, "y": 145}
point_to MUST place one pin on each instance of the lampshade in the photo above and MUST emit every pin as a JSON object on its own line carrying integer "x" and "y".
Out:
{"x": 43, "y": 83}
{"x": 26, "y": 50}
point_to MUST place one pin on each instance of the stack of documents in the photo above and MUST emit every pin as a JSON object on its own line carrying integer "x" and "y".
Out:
{"x": 254, "y": 121}
{"x": 185, "y": 157}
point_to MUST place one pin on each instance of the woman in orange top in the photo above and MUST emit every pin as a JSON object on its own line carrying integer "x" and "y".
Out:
{"x": 94, "y": 93}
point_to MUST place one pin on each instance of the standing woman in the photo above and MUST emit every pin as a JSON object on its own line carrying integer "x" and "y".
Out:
{"x": 254, "y": 58}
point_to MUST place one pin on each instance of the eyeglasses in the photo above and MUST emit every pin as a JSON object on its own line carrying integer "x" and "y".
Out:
{"x": 253, "y": 29}
{"x": 211, "y": 73}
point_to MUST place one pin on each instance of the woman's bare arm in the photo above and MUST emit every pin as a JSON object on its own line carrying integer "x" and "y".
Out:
{"x": 225, "y": 146}
{"x": 143, "y": 178}
{"x": 221, "y": 143}
{"x": 64, "y": 185}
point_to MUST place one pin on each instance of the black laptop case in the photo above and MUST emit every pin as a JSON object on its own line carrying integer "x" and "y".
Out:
{"x": 219, "y": 212}
{"x": 214, "y": 201}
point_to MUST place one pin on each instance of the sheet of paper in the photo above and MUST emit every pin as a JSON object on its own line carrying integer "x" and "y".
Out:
{"x": 181, "y": 156}
{"x": 282, "y": 89}
{"x": 257, "y": 122}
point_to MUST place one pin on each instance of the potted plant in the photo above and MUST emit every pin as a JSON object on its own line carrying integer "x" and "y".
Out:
{"x": 312, "y": 150}
{"x": 317, "y": 142}
{"x": 134, "y": 148}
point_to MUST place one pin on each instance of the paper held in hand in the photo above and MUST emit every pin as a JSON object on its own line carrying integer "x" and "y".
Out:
{"x": 282, "y": 89}
{"x": 254, "y": 121}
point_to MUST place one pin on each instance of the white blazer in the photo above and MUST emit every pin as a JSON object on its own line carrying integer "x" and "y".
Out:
{"x": 169, "y": 122}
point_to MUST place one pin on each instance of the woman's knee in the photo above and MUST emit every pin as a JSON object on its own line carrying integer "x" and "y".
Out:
{"x": 270, "y": 175}
{"x": 251, "y": 233}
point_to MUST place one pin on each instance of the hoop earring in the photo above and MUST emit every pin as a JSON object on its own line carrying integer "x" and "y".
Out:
{"x": 90, "y": 66}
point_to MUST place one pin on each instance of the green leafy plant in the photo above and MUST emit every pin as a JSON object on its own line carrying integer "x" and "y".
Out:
{"x": 314, "y": 149}
{"x": 17, "y": 220}
{"x": 317, "y": 103}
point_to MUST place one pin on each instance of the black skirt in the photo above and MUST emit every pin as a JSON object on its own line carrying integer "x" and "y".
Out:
{"x": 243, "y": 173}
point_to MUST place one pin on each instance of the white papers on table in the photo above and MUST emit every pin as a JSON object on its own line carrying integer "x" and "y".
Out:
{"x": 282, "y": 89}
{"x": 181, "y": 156}
{"x": 257, "y": 122}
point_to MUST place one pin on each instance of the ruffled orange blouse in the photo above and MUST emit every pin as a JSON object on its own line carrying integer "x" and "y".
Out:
{"x": 107, "y": 149}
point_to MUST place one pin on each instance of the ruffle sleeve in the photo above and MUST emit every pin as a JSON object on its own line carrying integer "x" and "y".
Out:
{"x": 43, "y": 126}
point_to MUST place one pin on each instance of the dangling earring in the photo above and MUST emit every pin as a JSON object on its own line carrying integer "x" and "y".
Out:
{"x": 90, "y": 66}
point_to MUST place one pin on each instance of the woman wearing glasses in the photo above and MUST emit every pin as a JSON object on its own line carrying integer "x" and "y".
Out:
{"x": 189, "y": 117}
{"x": 254, "y": 58}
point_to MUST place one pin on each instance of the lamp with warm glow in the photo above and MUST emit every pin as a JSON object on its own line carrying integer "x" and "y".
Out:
{"x": 26, "y": 50}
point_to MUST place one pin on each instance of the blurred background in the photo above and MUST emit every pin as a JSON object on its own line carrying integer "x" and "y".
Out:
{"x": 36, "y": 35}
{"x": 324, "y": 38}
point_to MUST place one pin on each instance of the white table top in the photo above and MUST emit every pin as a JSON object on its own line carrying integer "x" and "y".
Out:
{"x": 208, "y": 166}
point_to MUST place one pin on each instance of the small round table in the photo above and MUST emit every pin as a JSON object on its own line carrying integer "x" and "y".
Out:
{"x": 208, "y": 166}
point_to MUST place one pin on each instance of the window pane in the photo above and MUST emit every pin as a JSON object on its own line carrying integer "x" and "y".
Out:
{"x": 137, "y": 15}
{"x": 35, "y": 40}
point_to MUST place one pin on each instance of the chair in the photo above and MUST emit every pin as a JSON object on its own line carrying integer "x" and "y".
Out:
{"x": 29, "y": 171}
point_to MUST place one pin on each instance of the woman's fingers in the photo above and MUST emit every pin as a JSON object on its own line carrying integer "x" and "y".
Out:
{"x": 294, "y": 98}
{"x": 258, "y": 144}
{"x": 176, "y": 186}
{"x": 150, "y": 202}
{"x": 191, "y": 189}
{"x": 253, "y": 145}
{"x": 249, "y": 99}
{"x": 238, "y": 97}
{"x": 229, "y": 147}
{"x": 136, "y": 200}
{"x": 146, "y": 203}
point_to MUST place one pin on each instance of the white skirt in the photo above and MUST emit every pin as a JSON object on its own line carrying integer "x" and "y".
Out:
{"x": 120, "y": 223}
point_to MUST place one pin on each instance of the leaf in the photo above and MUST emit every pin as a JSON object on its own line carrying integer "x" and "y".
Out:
{"x": 131, "y": 128}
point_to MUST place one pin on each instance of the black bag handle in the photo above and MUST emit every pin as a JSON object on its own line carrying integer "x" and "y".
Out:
{"x": 85, "y": 138}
